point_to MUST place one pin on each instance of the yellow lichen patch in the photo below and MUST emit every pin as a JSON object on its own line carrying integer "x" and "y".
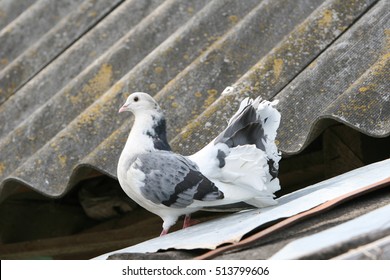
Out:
{"x": 313, "y": 64}
{"x": 74, "y": 99}
{"x": 158, "y": 70}
{"x": 118, "y": 87}
{"x": 211, "y": 98}
{"x": 190, "y": 10}
{"x": 326, "y": 19}
{"x": 212, "y": 91}
{"x": 153, "y": 86}
{"x": 381, "y": 65}
{"x": 101, "y": 82}
{"x": 186, "y": 57}
{"x": 198, "y": 94}
{"x": 3, "y": 61}
{"x": 192, "y": 126}
{"x": 54, "y": 146}
{"x": 11, "y": 88}
{"x": 233, "y": 19}
{"x": 62, "y": 159}
{"x": 89, "y": 116}
{"x": 387, "y": 34}
{"x": 363, "y": 89}
{"x": 278, "y": 67}
{"x": 2, "y": 168}
{"x": 92, "y": 14}
{"x": 175, "y": 105}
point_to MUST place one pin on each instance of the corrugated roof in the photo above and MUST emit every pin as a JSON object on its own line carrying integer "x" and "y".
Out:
{"x": 67, "y": 66}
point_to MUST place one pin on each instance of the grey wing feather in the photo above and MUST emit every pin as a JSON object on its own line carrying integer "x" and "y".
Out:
{"x": 174, "y": 180}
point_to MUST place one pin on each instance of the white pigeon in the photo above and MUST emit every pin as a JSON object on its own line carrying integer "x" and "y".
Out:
{"x": 240, "y": 165}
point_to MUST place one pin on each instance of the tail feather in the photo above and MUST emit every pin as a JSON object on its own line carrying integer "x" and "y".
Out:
{"x": 255, "y": 123}
{"x": 245, "y": 166}
{"x": 244, "y": 156}
{"x": 243, "y": 128}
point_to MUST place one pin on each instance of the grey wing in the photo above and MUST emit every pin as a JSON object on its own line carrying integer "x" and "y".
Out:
{"x": 173, "y": 180}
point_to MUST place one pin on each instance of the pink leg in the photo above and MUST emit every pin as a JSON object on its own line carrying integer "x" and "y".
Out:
{"x": 164, "y": 232}
{"x": 187, "y": 221}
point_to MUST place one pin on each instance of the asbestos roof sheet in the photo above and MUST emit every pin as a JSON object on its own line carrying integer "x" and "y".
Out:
{"x": 67, "y": 66}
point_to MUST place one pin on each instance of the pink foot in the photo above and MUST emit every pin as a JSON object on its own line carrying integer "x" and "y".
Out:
{"x": 188, "y": 222}
{"x": 164, "y": 232}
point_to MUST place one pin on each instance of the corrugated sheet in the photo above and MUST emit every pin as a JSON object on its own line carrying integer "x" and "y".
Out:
{"x": 67, "y": 66}
{"x": 371, "y": 223}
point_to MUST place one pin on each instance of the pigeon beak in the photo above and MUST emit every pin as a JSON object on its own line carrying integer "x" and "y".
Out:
{"x": 123, "y": 108}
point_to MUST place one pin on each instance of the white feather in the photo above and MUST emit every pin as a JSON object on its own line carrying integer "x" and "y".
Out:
{"x": 245, "y": 174}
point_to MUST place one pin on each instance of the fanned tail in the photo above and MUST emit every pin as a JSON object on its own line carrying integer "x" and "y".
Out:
{"x": 255, "y": 123}
{"x": 243, "y": 161}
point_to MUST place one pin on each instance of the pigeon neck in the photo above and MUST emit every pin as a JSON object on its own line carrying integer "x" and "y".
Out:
{"x": 147, "y": 134}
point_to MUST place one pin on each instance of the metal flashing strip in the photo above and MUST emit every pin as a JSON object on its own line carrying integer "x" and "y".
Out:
{"x": 377, "y": 220}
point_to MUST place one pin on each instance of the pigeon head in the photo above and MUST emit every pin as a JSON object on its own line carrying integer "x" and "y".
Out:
{"x": 139, "y": 102}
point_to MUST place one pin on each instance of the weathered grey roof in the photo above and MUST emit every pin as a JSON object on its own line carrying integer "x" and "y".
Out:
{"x": 67, "y": 66}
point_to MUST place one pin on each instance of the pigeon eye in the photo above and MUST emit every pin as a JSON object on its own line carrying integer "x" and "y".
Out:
{"x": 136, "y": 98}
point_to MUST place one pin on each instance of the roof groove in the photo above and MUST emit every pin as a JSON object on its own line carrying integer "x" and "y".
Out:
{"x": 59, "y": 38}
{"x": 10, "y": 10}
{"x": 63, "y": 122}
{"x": 54, "y": 78}
{"x": 31, "y": 25}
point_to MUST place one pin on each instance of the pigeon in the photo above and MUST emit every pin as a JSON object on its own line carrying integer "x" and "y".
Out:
{"x": 239, "y": 166}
